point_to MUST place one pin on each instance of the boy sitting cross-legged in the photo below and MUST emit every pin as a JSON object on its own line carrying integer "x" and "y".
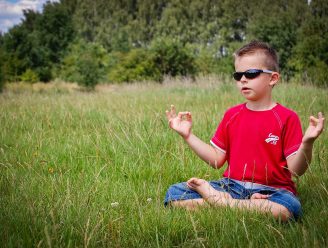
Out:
{"x": 261, "y": 140}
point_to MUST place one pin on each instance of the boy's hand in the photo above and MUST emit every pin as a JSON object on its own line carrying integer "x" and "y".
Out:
{"x": 181, "y": 123}
{"x": 315, "y": 128}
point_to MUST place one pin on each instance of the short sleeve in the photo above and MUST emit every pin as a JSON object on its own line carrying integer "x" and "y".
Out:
{"x": 219, "y": 139}
{"x": 292, "y": 136}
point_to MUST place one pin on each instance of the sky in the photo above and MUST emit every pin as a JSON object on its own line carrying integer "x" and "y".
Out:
{"x": 11, "y": 11}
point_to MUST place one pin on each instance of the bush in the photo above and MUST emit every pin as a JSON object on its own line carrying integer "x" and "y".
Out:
{"x": 1, "y": 80}
{"x": 215, "y": 59}
{"x": 84, "y": 64}
{"x": 137, "y": 65}
{"x": 318, "y": 74}
{"x": 172, "y": 58}
{"x": 313, "y": 70}
{"x": 29, "y": 76}
{"x": 163, "y": 57}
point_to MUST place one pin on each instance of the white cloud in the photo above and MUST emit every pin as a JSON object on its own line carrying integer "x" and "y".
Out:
{"x": 11, "y": 13}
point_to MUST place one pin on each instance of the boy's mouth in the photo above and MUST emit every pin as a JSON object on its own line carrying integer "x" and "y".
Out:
{"x": 245, "y": 88}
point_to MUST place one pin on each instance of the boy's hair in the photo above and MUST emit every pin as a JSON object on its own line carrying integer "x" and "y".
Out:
{"x": 255, "y": 46}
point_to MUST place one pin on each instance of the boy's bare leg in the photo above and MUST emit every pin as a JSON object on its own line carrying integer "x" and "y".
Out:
{"x": 201, "y": 202}
{"x": 258, "y": 202}
{"x": 191, "y": 204}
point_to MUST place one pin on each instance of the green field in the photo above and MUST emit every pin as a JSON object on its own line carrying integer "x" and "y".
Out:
{"x": 90, "y": 169}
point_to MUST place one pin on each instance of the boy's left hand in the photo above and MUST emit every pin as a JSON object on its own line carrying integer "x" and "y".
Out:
{"x": 315, "y": 128}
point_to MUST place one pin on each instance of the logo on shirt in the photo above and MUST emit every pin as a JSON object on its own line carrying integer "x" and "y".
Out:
{"x": 272, "y": 139}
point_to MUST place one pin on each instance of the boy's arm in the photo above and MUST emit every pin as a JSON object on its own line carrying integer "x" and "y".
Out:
{"x": 182, "y": 124}
{"x": 206, "y": 152}
{"x": 299, "y": 162}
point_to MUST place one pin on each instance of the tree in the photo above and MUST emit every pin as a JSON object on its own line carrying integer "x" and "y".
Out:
{"x": 2, "y": 79}
{"x": 38, "y": 42}
{"x": 85, "y": 64}
{"x": 16, "y": 47}
{"x": 277, "y": 23}
{"x": 310, "y": 54}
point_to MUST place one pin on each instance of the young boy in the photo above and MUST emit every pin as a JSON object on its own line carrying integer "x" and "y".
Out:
{"x": 260, "y": 139}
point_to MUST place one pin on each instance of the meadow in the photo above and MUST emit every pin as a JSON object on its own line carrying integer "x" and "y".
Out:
{"x": 90, "y": 169}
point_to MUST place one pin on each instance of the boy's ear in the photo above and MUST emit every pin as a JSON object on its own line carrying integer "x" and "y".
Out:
{"x": 274, "y": 78}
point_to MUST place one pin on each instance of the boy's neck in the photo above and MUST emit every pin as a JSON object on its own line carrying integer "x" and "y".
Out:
{"x": 260, "y": 106}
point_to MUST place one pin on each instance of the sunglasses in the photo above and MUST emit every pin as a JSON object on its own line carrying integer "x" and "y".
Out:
{"x": 249, "y": 74}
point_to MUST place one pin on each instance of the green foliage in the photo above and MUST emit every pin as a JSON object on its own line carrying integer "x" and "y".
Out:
{"x": 85, "y": 64}
{"x": 215, "y": 58}
{"x": 318, "y": 73}
{"x": 281, "y": 32}
{"x": 2, "y": 78}
{"x": 310, "y": 54}
{"x": 163, "y": 57}
{"x": 172, "y": 57}
{"x": 15, "y": 53}
{"x": 38, "y": 42}
{"x": 165, "y": 34}
{"x": 29, "y": 76}
{"x": 137, "y": 65}
{"x": 2, "y": 83}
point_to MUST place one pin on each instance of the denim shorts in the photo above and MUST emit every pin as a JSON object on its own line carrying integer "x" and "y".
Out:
{"x": 239, "y": 190}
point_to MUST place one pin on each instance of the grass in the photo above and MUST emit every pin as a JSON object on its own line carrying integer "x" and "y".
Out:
{"x": 91, "y": 169}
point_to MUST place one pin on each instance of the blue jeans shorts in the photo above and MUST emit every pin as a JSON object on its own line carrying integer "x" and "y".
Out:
{"x": 239, "y": 190}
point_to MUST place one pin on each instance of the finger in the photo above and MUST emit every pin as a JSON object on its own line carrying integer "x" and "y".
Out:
{"x": 168, "y": 115}
{"x": 318, "y": 123}
{"x": 321, "y": 122}
{"x": 173, "y": 111}
{"x": 313, "y": 120}
{"x": 321, "y": 117}
{"x": 189, "y": 118}
{"x": 183, "y": 114}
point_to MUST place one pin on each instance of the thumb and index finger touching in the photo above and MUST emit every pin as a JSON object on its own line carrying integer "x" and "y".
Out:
{"x": 318, "y": 122}
{"x": 172, "y": 114}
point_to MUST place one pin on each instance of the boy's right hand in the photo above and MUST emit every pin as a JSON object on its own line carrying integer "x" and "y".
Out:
{"x": 181, "y": 123}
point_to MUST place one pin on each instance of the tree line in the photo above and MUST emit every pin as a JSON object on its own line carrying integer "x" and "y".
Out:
{"x": 92, "y": 41}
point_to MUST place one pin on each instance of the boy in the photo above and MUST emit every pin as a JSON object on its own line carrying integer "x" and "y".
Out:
{"x": 261, "y": 140}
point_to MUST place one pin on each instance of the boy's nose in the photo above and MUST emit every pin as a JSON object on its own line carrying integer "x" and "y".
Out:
{"x": 243, "y": 79}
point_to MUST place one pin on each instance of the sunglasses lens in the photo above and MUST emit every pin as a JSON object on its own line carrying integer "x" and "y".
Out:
{"x": 237, "y": 75}
{"x": 249, "y": 74}
{"x": 252, "y": 74}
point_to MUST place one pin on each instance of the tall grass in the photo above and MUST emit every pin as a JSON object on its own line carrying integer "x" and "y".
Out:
{"x": 91, "y": 169}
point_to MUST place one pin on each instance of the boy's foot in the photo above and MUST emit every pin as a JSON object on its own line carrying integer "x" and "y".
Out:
{"x": 205, "y": 189}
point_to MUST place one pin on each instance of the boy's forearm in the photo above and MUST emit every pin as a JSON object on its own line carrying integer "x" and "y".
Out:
{"x": 301, "y": 160}
{"x": 205, "y": 151}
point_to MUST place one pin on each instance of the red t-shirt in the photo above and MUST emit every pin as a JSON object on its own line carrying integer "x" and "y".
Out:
{"x": 257, "y": 144}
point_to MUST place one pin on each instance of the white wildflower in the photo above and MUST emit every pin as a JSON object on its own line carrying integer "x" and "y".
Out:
{"x": 114, "y": 204}
{"x": 149, "y": 200}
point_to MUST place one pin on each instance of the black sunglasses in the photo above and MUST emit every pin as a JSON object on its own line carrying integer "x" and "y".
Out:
{"x": 249, "y": 74}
